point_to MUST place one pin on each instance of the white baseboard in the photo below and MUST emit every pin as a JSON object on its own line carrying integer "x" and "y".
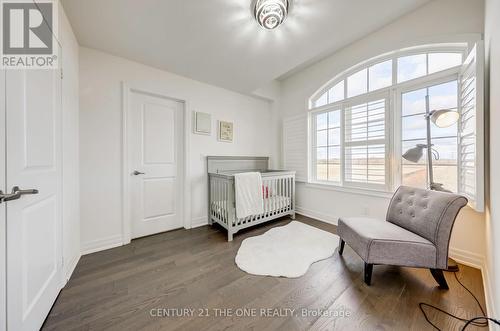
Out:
{"x": 199, "y": 221}
{"x": 71, "y": 268}
{"x": 102, "y": 244}
{"x": 470, "y": 259}
{"x": 318, "y": 216}
{"x": 488, "y": 294}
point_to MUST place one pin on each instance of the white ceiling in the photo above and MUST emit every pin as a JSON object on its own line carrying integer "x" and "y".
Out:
{"x": 218, "y": 42}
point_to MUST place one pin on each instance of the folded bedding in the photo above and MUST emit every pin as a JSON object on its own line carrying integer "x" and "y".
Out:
{"x": 248, "y": 194}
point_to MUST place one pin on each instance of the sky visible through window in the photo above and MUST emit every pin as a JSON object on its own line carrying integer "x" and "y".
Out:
{"x": 379, "y": 75}
{"x": 442, "y": 96}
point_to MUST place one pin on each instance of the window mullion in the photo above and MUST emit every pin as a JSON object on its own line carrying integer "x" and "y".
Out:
{"x": 342, "y": 145}
{"x": 328, "y": 146}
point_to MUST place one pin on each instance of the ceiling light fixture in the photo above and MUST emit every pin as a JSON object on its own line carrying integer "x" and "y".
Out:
{"x": 271, "y": 13}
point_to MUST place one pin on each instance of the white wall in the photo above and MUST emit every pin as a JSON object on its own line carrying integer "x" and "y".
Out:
{"x": 272, "y": 93}
{"x": 437, "y": 21}
{"x": 101, "y": 76}
{"x": 70, "y": 145}
{"x": 492, "y": 42}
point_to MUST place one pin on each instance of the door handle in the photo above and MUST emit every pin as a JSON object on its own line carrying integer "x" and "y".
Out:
{"x": 16, "y": 189}
{"x": 16, "y": 194}
{"x": 9, "y": 196}
{"x": 137, "y": 173}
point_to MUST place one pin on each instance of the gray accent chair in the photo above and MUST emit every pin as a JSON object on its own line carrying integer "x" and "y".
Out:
{"x": 416, "y": 232}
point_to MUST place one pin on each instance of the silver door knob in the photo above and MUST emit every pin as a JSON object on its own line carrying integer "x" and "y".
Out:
{"x": 137, "y": 173}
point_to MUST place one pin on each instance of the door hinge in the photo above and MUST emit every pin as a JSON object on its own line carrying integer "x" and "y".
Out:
{"x": 62, "y": 76}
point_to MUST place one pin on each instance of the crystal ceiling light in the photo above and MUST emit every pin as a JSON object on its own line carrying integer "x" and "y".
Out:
{"x": 271, "y": 13}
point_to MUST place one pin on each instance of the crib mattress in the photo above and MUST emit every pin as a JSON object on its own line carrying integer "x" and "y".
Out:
{"x": 271, "y": 204}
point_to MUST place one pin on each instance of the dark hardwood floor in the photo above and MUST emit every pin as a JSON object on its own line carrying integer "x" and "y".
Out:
{"x": 118, "y": 289}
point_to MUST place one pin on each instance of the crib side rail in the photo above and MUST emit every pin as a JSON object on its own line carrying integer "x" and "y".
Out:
{"x": 221, "y": 199}
{"x": 279, "y": 194}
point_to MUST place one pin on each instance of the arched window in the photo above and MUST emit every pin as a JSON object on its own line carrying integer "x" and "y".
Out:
{"x": 366, "y": 118}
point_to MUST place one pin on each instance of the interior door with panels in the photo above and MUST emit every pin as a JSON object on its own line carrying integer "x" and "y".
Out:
{"x": 155, "y": 136}
{"x": 3, "y": 225}
{"x": 33, "y": 203}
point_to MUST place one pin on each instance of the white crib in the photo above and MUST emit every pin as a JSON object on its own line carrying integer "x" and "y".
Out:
{"x": 278, "y": 189}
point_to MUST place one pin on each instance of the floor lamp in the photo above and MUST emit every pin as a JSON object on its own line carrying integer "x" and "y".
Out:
{"x": 442, "y": 118}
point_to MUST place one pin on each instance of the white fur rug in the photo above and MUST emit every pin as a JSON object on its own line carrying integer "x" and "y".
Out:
{"x": 285, "y": 251}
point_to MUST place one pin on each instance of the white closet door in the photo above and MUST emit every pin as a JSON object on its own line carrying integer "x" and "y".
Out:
{"x": 3, "y": 227}
{"x": 34, "y": 229}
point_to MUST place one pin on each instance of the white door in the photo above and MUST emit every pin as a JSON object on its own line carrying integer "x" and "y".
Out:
{"x": 155, "y": 136}
{"x": 34, "y": 229}
{"x": 3, "y": 227}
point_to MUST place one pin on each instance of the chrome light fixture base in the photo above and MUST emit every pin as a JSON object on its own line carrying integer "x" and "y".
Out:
{"x": 270, "y": 13}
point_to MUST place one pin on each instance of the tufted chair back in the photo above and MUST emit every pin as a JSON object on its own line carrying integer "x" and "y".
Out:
{"x": 430, "y": 214}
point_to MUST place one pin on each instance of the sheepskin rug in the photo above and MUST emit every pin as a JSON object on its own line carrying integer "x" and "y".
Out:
{"x": 285, "y": 251}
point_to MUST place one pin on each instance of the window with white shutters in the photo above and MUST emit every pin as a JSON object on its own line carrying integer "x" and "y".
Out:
{"x": 365, "y": 143}
{"x": 471, "y": 128}
{"x": 363, "y": 121}
{"x": 295, "y": 146}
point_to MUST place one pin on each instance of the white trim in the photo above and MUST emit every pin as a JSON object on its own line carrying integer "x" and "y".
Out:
{"x": 126, "y": 233}
{"x": 199, "y": 221}
{"x": 71, "y": 268}
{"x": 467, "y": 258}
{"x": 325, "y": 218}
{"x": 350, "y": 190}
{"x": 102, "y": 244}
{"x": 186, "y": 117}
{"x": 488, "y": 293}
{"x": 479, "y": 262}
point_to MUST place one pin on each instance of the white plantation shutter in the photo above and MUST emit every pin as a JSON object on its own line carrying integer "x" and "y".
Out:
{"x": 366, "y": 144}
{"x": 471, "y": 128}
{"x": 295, "y": 146}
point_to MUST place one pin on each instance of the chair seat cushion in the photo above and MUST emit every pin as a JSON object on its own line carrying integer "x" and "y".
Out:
{"x": 381, "y": 242}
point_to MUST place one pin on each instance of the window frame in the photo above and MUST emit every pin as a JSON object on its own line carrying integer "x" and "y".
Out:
{"x": 313, "y": 146}
{"x": 341, "y": 106}
{"x": 392, "y": 94}
{"x": 461, "y": 48}
{"x": 441, "y": 78}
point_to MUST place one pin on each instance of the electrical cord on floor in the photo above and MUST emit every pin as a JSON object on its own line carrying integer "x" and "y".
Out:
{"x": 481, "y": 321}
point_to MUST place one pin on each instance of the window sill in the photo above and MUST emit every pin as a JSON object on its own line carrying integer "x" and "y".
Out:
{"x": 350, "y": 190}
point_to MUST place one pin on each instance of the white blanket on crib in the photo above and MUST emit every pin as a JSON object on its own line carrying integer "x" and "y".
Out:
{"x": 248, "y": 194}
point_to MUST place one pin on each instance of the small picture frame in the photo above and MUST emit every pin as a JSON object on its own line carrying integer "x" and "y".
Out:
{"x": 225, "y": 133}
{"x": 202, "y": 123}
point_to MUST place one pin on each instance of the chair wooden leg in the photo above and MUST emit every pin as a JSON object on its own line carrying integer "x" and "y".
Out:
{"x": 368, "y": 273}
{"x": 439, "y": 277}
{"x": 341, "y": 249}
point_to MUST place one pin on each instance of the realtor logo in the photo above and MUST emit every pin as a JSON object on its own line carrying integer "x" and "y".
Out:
{"x": 28, "y": 29}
